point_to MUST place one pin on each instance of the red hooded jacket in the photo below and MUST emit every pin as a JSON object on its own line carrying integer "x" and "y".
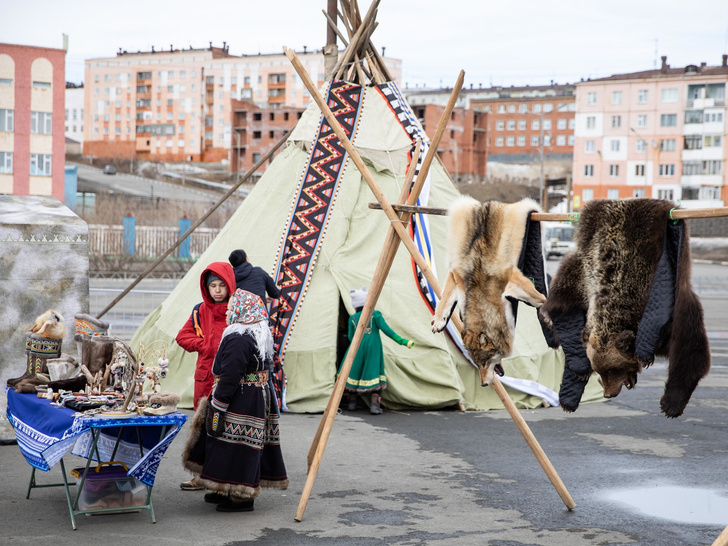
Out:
{"x": 211, "y": 320}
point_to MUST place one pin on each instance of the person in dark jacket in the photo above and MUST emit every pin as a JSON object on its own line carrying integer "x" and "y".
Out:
{"x": 251, "y": 278}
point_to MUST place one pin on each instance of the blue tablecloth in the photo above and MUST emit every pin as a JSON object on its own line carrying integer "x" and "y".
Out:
{"x": 45, "y": 433}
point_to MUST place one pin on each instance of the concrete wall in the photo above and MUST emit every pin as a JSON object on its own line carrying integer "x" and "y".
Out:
{"x": 43, "y": 264}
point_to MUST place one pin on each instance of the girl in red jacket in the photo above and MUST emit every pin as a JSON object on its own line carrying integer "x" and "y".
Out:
{"x": 203, "y": 330}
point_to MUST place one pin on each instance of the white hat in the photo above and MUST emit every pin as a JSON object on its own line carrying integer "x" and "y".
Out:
{"x": 358, "y": 297}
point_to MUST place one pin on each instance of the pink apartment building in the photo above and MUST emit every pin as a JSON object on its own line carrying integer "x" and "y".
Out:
{"x": 177, "y": 104}
{"x": 32, "y": 142}
{"x": 658, "y": 133}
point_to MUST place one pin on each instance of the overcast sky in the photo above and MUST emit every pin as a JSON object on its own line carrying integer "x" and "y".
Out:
{"x": 497, "y": 43}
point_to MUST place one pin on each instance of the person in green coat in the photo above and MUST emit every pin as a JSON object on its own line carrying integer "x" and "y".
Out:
{"x": 367, "y": 371}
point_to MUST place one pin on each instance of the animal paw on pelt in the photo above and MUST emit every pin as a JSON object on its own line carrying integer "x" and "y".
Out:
{"x": 438, "y": 325}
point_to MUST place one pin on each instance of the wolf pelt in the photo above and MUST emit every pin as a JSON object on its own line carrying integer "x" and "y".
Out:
{"x": 485, "y": 242}
{"x": 610, "y": 278}
{"x": 50, "y": 325}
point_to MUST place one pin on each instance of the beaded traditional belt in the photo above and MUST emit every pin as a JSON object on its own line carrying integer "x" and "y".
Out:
{"x": 254, "y": 378}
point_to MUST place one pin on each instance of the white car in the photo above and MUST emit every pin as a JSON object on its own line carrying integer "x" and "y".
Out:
{"x": 559, "y": 240}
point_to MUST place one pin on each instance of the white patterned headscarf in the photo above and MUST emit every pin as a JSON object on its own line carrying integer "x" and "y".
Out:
{"x": 249, "y": 316}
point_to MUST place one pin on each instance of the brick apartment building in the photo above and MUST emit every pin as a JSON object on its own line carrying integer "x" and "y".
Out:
{"x": 32, "y": 86}
{"x": 178, "y": 104}
{"x": 462, "y": 147}
{"x": 658, "y": 133}
{"x": 516, "y": 130}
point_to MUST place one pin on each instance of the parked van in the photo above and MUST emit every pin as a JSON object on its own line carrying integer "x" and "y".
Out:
{"x": 559, "y": 240}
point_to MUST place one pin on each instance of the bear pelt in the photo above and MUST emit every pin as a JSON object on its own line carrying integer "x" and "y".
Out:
{"x": 609, "y": 277}
{"x": 485, "y": 244}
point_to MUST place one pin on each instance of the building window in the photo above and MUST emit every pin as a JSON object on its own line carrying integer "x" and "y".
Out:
{"x": 588, "y": 170}
{"x": 613, "y": 193}
{"x": 521, "y": 141}
{"x": 589, "y": 146}
{"x": 642, "y": 96}
{"x": 510, "y": 141}
{"x": 561, "y": 124}
{"x": 616, "y": 122}
{"x": 571, "y": 140}
{"x": 616, "y": 97}
{"x": 522, "y": 125}
{"x": 500, "y": 125}
{"x": 534, "y": 141}
{"x": 561, "y": 140}
{"x": 667, "y": 169}
{"x": 639, "y": 170}
{"x": 499, "y": 142}
{"x": 669, "y": 95}
{"x": 40, "y": 164}
{"x": 713, "y": 117}
{"x": 536, "y": 124}
{"x": 6, "y": 163}
{"x": 511, "y": 108}
{"x": 511, "y": 125}
{"x": 711, "y": 167}
{"x": 547, "y": 140}
{"x": 667, "y": 145}
{"x": 7, "y": 120}
{"x": 614, "y": 145}
{"x": 710, "y": 192}
{"x": 523, "y": 108}
{"x": 547, "y": 125}
{"x": 642, "y": 120}
{"x": 591, "y": 122}
{"x": 6, "y": 81}
{"x": 668, "y": 120}
{"x": 693, "y": 142}
{"x": 693, "y": 116}
{"x": 638, "y": 192}
{"x": 41, "y": 123}
{"x": 665, "y": 194}
{"x": 42, "y": 85}
{"x": 501, "y": 108}
{"x": 640, "y": 145}
{"x": 614, "y": 170}
{"x": 712, "y": 141}
{"x": 591, "y": 98}
{"x": 587, "y": 194}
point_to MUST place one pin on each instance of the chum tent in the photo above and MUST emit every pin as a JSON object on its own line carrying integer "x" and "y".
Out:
{"x": 307, "y": 222}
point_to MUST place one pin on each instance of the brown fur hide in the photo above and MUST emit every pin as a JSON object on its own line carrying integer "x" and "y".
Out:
{"x": 485, "y": 243}
{"x": 610, "y": 277}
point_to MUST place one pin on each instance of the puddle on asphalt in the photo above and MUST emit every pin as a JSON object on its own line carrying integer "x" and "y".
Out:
{"x": 681, "y": 504}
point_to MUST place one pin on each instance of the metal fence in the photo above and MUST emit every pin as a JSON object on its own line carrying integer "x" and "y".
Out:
{"x": 149, "y": 241}
{"x": 127, "y": 315}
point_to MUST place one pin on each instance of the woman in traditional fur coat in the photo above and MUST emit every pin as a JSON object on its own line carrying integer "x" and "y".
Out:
{"x": 234, "y": 445}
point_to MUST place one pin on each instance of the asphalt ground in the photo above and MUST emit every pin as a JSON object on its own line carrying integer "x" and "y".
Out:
{"x": 449, "y": 478}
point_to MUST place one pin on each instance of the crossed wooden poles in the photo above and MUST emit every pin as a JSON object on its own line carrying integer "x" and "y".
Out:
{"x": 395, "y": 234}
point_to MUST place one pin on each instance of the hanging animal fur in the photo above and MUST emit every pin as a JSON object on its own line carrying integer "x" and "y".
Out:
{"x": 485, "y": 247}
{"x": 623, "y": 297}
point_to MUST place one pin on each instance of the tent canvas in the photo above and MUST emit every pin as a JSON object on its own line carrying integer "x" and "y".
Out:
{"x": 431, "y": 375}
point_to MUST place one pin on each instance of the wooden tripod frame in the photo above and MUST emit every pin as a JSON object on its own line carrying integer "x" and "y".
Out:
{"x": 396, "y": 233}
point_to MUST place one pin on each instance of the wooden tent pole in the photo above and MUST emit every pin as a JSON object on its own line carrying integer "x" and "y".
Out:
{"x": 389, "y": 249}
{"x": 677, "y": 214}
{"x": 391, "y": 243}
{"x": 394, "y": 222}
{"x": 204, "y": 217}
{"x": 722, "y": 539}
{"x": 356, "y": 39}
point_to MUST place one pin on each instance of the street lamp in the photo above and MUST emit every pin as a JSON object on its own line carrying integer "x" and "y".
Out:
{"x": 542, "y": 179}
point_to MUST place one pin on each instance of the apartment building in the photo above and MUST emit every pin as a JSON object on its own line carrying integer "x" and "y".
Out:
{"x": 658, "y": 133}
{"x": 462, "y": 147}
{"x": 177, "y": 104}
{"x": 256, "y": 130}
{"x": 74, "y": 112}
{"x": 32, "y": 85}
{"x": 527, "y": 132}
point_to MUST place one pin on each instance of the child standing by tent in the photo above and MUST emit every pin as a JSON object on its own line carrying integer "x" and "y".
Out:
{"x": 367, "y": 371}
{"x": 203, "y": 330}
